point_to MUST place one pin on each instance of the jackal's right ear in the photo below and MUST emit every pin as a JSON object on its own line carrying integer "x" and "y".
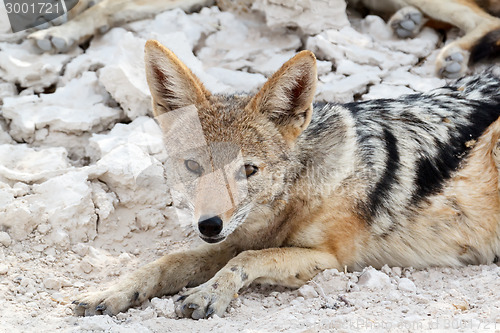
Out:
{"x": 286, "y": 98}
{"x": 171, "y": 83}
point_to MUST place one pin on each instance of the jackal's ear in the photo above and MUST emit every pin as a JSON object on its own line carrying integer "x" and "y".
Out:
{"x": 286, "y": 98}
{"x": 172, "y": 84}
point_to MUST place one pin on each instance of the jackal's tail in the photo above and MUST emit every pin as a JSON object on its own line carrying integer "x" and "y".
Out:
{"x": 488, "y": 47}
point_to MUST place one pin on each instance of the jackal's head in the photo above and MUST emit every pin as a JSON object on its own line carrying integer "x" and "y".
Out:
{"x": 230, "y": 155}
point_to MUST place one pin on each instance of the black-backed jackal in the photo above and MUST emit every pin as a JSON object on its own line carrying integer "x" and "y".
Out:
{"x": 411, "y": 181}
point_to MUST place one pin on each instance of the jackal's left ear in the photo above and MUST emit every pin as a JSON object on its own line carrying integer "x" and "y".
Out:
{"x": 172, "y": 84}
{"x": 286, "y": 98}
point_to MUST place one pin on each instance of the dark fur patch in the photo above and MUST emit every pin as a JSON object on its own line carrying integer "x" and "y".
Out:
{"x": 383, "y": 187}
{"x": 488, "y": 47}
{"x": 372, "y": 138}
{"x": 434, "y": 171}
{"x": 325, "y": 121}
{"x": 471, "y": 252}
{"x": 284, "y": 157}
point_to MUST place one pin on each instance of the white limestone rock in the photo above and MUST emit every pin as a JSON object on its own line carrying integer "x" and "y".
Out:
{"x": 373, "y": 279}
{"x": 270, "y": 64}
{"x": 349, "y": 67}
{"x": 387, "y": 91}
{"x": 312, "y": 17}
{"x": 342, "y": 89}
{"x": 4, "y": 21}
{"x": 402, "y": 77}
{"x": 347, "y": 43}
{"x": 22, "y": 163}
{"x": 64, "y": 202}
{"x": 260, "y": 49}
{"x": 5, "y": 239}
{"x": 143, "y": 132}
{"x": 104, "y": 200}
{"x": 308, "y": 291}
{"x": 194, "y": 26}
{"x": 135, "y": 177}
{"x": 405, "y": 284}
{"x": 7, "y": 89}
{"x": 124, "y": 77}
{"x": 103, "y": 50}
{"x": 164, "y": 307}
{"x": 4, "y": 133}
{"x": 239, "y": 81}
{"x": 78, "y": 107}
{"x": 25, "y": 65}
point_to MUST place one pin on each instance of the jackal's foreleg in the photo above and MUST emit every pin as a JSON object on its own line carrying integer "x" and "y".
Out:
{"x": 284, "y": 266}
{"x": 164, "y": 276}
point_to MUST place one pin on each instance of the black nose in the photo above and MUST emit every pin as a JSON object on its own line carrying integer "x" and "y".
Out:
{"x": 210, "y": 227}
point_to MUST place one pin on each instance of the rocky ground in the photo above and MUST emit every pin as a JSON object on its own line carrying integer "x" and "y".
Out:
{"x": 80, "y": 153}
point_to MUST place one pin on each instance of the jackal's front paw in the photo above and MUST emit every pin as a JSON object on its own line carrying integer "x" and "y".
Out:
{"x": 109, "y": 302}
{"x": 407, "y": 22}
{"x": 204, "y": 301}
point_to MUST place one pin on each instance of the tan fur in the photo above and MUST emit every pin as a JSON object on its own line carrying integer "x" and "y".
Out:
{"x": 329, "y": 223}
{"x": 475, "y": 188}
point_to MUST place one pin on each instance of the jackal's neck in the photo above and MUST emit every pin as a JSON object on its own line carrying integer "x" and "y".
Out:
{"x": 326, "y": 151}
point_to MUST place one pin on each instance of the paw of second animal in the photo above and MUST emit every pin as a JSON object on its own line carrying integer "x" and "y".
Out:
{"x": 452, "y": 62}
{"x": 407, "y": 22}
{"x": 54, "y": 38}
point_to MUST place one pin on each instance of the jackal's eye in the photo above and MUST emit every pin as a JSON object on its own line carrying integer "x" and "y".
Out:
{"x": 250, "y": 170}
{"x": 193, "y": 166}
